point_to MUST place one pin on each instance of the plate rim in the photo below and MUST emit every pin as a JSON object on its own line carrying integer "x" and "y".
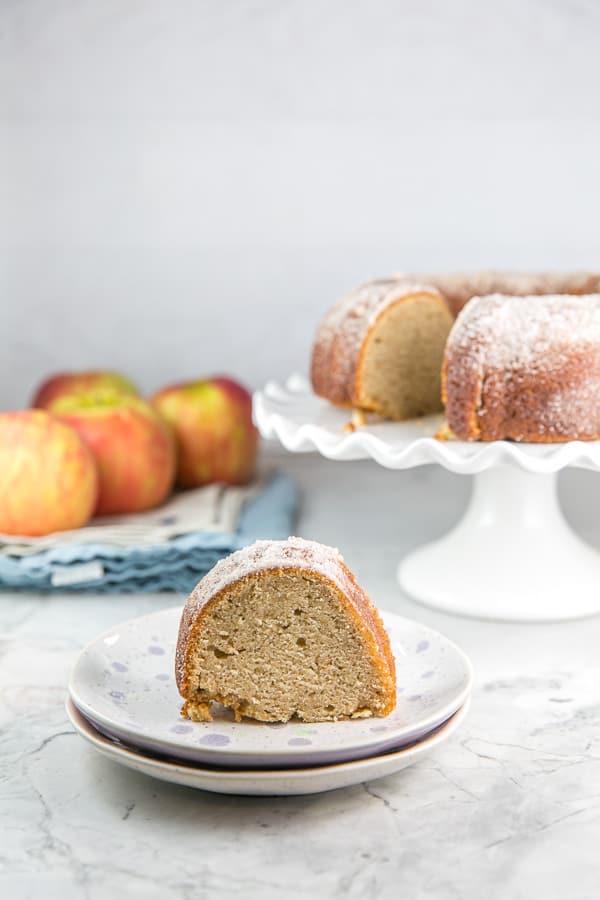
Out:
{"x": 290, "y": 754}
{"x": 117, "y": 750}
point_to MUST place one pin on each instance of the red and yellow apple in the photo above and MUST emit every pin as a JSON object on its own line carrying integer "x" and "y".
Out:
{"x": 212, "y": 422}
{"x": 67, "y": 384}
{"x": 133, "y": 448}
{"x": 48, "y": 477}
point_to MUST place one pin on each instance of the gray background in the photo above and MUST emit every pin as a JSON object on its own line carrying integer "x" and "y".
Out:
{"x": 186, "y": 186}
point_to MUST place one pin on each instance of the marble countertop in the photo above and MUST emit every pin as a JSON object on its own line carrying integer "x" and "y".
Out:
{"x": 509, "y": 808}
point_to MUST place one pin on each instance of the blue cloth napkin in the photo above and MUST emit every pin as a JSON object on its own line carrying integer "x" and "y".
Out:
{"x": 176, "y": 565}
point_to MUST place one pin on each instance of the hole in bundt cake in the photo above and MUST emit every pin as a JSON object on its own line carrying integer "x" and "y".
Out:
{"x": 301, "y": 642}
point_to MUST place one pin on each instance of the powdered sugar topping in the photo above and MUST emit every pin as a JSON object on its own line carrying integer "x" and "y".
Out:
{"x": 459, "y": 287}
{"x": 263, "y": 555}
{"x": 355, "y": 313}
{"x": 268, "y": 555}
{"x": 528, "y": 333}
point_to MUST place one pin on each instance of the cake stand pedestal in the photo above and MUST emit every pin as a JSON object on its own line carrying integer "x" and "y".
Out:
{"x": 512, "y": 556}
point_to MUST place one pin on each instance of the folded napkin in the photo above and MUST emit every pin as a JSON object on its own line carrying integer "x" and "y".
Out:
{"x": 166, "y": 549}
{"x": 211, "y": 508}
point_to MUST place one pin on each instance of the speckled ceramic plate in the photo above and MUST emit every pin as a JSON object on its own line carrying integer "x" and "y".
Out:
{"x": 266, "y": 782}
{"x": 124, "y": 684}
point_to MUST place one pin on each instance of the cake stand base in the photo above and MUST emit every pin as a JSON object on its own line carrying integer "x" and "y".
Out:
{"x": 512, "y": 557}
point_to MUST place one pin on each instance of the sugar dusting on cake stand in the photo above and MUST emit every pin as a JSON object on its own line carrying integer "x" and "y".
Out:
{"x": 512, "y": 556}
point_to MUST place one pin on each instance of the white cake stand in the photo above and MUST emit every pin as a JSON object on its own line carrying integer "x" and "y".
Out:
{"x": 512, "y": 557}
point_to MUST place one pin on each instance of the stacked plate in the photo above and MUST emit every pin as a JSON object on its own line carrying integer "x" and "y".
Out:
{"x": 123, "y": 700}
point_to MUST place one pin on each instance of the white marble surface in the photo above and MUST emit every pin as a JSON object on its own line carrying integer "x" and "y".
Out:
{"x": 508, "y": 809}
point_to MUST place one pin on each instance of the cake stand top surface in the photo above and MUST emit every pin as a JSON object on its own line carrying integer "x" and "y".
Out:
{"x": 302, "y": 422}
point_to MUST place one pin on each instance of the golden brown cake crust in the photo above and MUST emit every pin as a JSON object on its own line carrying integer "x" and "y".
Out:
{"x": 299, "y": 556}
{"x": 459, "y": 287}
{"x": 526, "y": 369}
{"x": 341, "y": 336}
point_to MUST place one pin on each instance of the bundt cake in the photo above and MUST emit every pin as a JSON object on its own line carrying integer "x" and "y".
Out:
{"x": 527, "y": 369}
{"x": 282, "y": 629}
{"x": 380, "y": 349}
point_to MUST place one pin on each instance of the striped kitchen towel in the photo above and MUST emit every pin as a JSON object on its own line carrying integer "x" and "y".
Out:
{"x": 168, "y": 549}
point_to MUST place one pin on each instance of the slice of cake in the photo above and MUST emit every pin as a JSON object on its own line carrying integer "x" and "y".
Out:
{"x": 525, "y": 368}
{"x": 282, "y": 629}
